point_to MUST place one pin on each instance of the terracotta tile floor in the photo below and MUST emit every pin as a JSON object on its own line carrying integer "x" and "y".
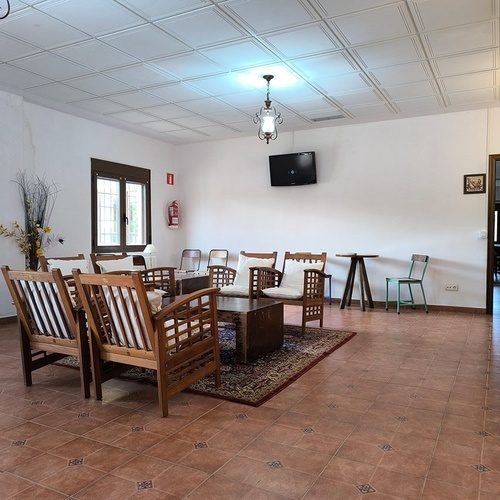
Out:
{"x": 410, "y": 408}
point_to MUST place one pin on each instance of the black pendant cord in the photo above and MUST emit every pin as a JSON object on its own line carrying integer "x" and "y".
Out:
{"x": 3, "y": 16}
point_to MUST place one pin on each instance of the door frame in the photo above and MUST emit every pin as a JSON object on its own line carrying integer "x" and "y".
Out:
{"x": 490, "y": 258}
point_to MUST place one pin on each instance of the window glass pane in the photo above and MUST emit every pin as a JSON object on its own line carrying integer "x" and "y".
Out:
{"x": 108, "y": 212}
{"x": 136, "y": 214}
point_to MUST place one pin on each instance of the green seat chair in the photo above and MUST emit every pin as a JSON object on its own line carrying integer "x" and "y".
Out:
{"x": 415, "y": 277}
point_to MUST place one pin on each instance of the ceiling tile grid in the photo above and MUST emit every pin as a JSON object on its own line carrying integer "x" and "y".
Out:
{"x": 178, "y": 70}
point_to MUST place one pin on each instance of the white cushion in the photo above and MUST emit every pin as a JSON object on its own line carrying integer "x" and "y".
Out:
{"x": 293, "y": 275}
{"x": 244, "y": 264}
{"x": 292, "y": 283}
{"x": 67, "y": 266}
{"x": 282, "y": 292}
{"x": 234, "y": 291}
{"x": 125, "y": 264}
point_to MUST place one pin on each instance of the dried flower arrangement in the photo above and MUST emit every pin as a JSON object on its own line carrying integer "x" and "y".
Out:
{"x": 38, "y": 197}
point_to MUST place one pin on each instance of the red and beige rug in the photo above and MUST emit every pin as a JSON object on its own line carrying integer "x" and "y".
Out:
{"x": 257, "y": 382}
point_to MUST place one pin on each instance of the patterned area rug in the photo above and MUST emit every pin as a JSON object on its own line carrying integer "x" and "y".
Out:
{"x": 256, "y": 382}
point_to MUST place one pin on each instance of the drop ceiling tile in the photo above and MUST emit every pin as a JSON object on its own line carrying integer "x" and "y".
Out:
{"x": 298, "y": 91}
{"x": 187, "y": 66}
{"x": 229, "y": 115}
{"x": 95, "y": 17}
{"x": 98, "y": 84}
{"x": 96, "y": 55}
{"x": 373, "y": 25}
{"x": 218, "y": 131}
{"x": 411, "y": 90}
{"x": 479, "y": 61}
{"x": 219, "y": 85}
{"x": 302, "y": 42}
{"x": 193, "y": 121}
{"x": 161, "y": 126}
{"x": 137, "y": 99}
{"x": 343, "y": 83}
{"x": 418, "y": 104}
{"x": 446, "y": 13}
{"x": 262, "y": 15}
{"x": 99, "y": 105}
{"x": 145, "y": 43}
{"x": 60, "y": 92}
{"x": 132, "y": 116}
{"x": 204, "y": 106}
{"x": 243, "y": 100}
{"x": 167, "y": 111}
{"x": 402, "y": 73}
{"x": 341, "y": 7}
{"x": 472, "y": 97}
{"x": 139, "y": 75}
{"x": 157, "y": 9}
{"x": 358, "y": 98}
{"x": 328, "y": 65}
{"x": 312, "y": 106}
{"x": 399, "y": 51}
{"x": 14, "y": 49}
{"x": 229, "y": 56}
{"x": 380, "y": 110}
{"x": 40, "y": 30}
{"x": 176, "y": 92}
{"x": 462, "y": 39}
{"x": 469, "y": 82}
{"x": 187, "y": 135}
{"x": 203, "y": 27}
{"x": 51, "y": 66}
{"x": 19, "y": 78}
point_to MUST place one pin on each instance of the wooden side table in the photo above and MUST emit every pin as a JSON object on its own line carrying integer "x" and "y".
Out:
{"x": 357, "y": 262}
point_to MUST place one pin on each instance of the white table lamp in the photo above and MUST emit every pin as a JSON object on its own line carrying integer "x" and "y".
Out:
{"x": 150, "y": 249}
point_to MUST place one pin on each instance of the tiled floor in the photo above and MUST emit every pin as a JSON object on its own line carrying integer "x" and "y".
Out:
{"x": 410, "y": 408}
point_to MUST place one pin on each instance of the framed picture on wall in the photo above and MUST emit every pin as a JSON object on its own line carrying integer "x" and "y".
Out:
{"x": 474, "y": 183}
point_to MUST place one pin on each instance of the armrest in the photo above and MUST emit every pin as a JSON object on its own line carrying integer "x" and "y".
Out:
{"x": 314, "y": 283}
{"x": 263, "y": 277}
{"x": 219, "y": 276}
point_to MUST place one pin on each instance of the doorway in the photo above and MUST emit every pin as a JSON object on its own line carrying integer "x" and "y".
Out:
{"x": 493, "y": 263}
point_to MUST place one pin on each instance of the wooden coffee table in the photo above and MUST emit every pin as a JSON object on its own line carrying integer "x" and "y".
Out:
{"x": 258, "y": 323}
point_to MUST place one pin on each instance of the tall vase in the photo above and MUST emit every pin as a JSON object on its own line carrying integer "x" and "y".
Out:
{"x": 31, "y": 261}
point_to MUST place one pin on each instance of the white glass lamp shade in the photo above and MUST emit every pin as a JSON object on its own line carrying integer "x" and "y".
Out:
{"x": 150, "y": 248}
{"x": 268, "y": 123}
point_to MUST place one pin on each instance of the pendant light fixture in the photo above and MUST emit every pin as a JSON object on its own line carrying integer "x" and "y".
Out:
{"x": 268, "y": 118}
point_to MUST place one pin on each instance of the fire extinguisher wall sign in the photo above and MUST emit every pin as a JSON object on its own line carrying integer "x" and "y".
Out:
{"x": 173, "y": 214}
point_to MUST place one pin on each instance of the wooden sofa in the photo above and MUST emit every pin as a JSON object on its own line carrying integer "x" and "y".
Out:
{"x": 239, "y": 282}
{"x": 300, "y": 283}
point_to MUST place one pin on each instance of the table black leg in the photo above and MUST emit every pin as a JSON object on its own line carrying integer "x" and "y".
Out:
{"x": 361, "y": 285}
{"x": 363, "y": 276}
{"x": 346, "y": 297}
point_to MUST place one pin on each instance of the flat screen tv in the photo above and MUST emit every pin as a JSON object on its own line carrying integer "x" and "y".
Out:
{"x": 293, "y": 169}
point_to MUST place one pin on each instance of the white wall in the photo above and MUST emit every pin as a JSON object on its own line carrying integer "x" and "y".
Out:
{"x": 393, "y": 188}
{"x": 60, "y": 146}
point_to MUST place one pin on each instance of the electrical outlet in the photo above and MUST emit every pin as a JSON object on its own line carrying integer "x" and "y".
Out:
{"x": 451, "y": 288}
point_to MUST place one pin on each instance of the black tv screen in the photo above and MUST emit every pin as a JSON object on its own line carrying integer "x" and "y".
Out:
{"x": 293, "y": 169}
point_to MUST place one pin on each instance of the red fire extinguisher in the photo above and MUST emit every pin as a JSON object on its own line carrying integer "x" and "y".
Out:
{"x": 173, "y": 214}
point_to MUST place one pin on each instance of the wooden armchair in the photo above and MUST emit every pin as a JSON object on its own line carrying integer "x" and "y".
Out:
{"x": 180, "y": 342}
{"x": 301, "y": 283}
{"x": 50, "y": 327}
{"x": 160, "y": 278}
{"x": 239, "y": 282}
